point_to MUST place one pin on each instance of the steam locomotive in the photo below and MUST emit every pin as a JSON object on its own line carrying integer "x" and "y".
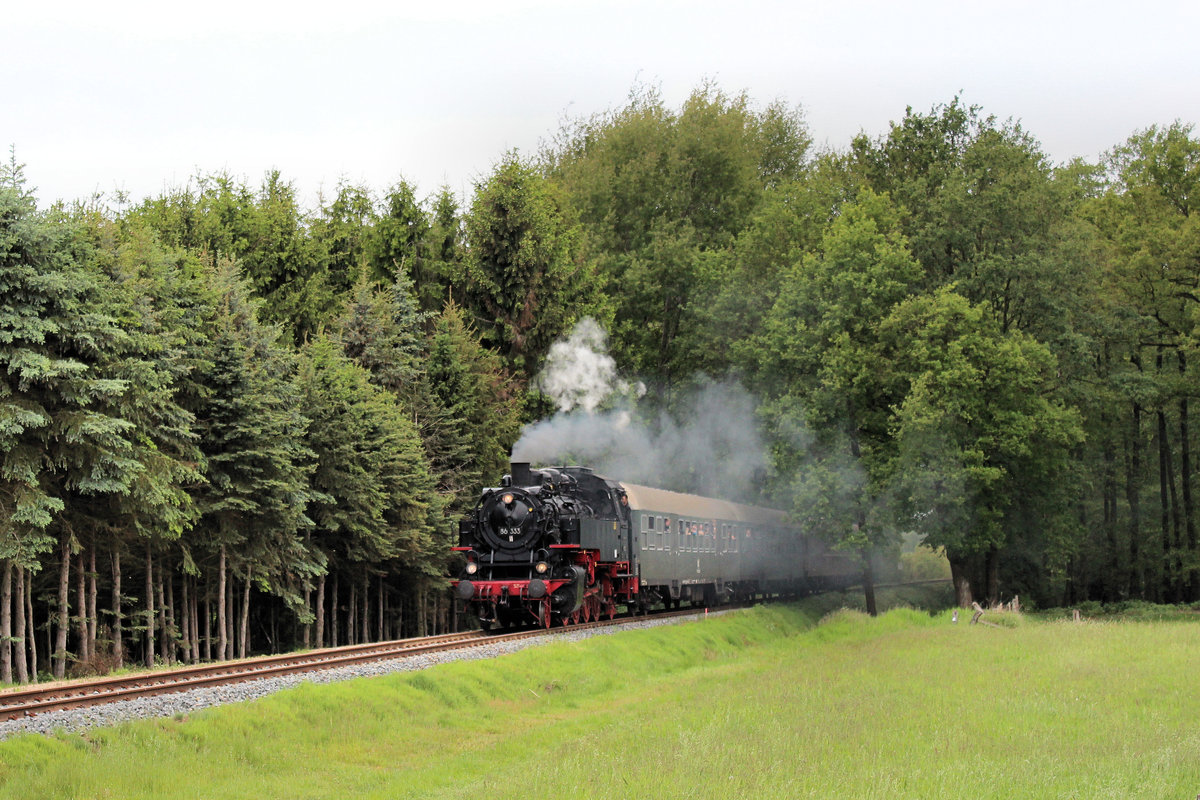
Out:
{"x": 562, "y": 545}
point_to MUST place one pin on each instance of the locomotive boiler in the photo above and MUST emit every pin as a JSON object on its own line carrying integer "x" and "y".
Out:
{"x": 559, "y": 545}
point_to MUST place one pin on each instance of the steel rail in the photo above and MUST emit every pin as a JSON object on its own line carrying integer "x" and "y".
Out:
{"x": 26, "y": 702}
{"x": 15, "y": 703}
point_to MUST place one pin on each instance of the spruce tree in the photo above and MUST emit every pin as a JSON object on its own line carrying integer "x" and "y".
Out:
{"x": 62, "y": 390}
{"x": 257, "y": 463}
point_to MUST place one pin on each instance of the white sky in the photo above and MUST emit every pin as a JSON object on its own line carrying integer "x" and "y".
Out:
{"x": 140, "y": 96}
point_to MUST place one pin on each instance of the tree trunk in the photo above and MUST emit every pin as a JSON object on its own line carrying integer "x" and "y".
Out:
{"x": 333, "y": 613}
{"x": 1133, "y": 476}
{"x": 962, "y": 584}
{"x": 6, "y": 651}
{"x": 194, "y": 610}
{"x": 1177, "y": 574}
{"x": 1109, "y": 492}
{"x": 244, "y": 638}
{"x": 352, "y": 616}
{"x": 150, "y": 631}
{"x": 208, "y": 618}
{"x": 166, "y": 634}
{"x": 1192, "y": 579}
{"x": 64, "y": 617}
{"x": 366, "y": 609}
{"x": 426, "y": 621}
{"x": 81, "y": 604}
{"x": 222, "y": 641}
{"x": 868, "y": 579}
{"x": 19, "y": 649}
{"x": 1164, "y": 505}
{"x": 307, "y": 629}
{"x": 118, "y": 632}
{"x": 319, "y": 636}
{"x": 93, "y": 613}
{"x": 29, "y": 626}
{"x": 382, "y": 631}
{"x": 185, "y": 620}
{"x": 231, "y": 615}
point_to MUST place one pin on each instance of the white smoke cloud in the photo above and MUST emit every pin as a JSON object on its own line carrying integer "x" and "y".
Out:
{"x": 579, "y": 372}
{"x": 711, "y": 445}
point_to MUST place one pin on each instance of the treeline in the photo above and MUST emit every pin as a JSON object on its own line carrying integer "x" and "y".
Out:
{"x": 192, "y": 471}
{"x": 950, "y": 334}
{"x": 230, "y": 424}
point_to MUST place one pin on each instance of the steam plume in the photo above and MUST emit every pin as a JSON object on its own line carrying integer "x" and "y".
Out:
{"x": 711, "y": 445}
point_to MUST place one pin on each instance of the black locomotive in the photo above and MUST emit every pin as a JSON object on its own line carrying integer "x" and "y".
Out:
{"x": 563, "y": 544}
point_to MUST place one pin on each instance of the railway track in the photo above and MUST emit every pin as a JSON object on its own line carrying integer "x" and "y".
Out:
{"x": 27, "y": 702}
{"x": 15, "y": 703}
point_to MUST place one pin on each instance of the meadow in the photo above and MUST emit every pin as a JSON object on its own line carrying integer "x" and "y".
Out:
{"x": 776, "y": 702}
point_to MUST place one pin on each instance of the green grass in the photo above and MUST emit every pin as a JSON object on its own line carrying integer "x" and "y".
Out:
{"x": 763, "y": 704}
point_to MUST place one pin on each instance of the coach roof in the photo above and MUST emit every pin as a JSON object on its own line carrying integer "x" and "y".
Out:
{"x": 646, "y": 498}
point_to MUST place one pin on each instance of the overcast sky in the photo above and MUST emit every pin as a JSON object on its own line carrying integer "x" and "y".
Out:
{"x": 140, "y": 96}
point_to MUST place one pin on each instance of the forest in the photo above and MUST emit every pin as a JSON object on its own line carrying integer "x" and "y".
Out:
{"x": 231, "y": 424}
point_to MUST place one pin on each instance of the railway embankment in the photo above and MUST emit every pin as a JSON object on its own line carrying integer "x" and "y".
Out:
{"x": 770, "y": 702}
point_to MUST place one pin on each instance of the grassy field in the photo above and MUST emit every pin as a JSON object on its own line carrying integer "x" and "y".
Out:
{"x": 759, "y": 704}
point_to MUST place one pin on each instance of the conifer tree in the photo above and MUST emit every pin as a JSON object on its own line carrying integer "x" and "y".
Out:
{"x": 479, "y": 414}
{"x": 155, "y": 299}
{"x": 257, "y": 463}
{"x": 64, "y": 430}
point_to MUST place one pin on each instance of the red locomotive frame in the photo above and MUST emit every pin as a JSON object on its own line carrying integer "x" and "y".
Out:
{"x": 607, "y": 585}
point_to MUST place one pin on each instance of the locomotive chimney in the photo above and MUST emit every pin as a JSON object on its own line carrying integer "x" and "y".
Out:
{"x": 522, "y": 475}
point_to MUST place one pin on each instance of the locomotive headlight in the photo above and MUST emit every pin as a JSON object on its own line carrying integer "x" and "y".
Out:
{"x": 472, "y": 568}
{"x": 541, "y": 568}
{"x": 507, "y": 499}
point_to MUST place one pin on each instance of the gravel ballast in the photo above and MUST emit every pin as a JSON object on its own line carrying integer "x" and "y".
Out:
{"x": 168, "y": 705}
